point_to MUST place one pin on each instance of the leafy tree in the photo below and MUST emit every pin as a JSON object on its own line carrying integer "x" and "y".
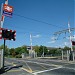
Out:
{"x": 24, "y": 49}
{"x": 12, "y": 52}
{"x": 73, "y": 48}
{"x": 6, "y": 49}
{"x": 36, "y": 48}
{"x": 43, "y": 49}
{"x": 66, "y": 48}
{"x": 18, "y": 50}
{"x": 54, "y": 51}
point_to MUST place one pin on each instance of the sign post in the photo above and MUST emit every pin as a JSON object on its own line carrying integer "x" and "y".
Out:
{"x": 6, "y": 10}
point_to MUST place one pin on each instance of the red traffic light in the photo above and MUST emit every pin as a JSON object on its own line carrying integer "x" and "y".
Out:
{"x": 73, "y": 43}
{"x": 7, "y": 34}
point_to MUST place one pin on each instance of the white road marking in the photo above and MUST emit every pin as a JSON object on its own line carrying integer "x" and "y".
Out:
{"x": 69, "y": 68}
{"x": 45, "y": 70}
{"x": 29, "y": 71}
{"x": 42, "y": 63}
{"x": 28, "y": 67}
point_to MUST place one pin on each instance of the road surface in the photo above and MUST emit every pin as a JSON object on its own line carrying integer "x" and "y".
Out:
{"x": 38, "y": 67}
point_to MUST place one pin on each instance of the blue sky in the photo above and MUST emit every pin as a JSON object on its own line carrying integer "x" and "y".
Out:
{"x": 41, "y": 18}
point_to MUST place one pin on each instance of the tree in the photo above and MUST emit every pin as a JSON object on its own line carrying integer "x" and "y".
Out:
{"x": 24, "y": 49}
{"x": 43, "y": 49}
{"x": 74, "y": 48}
{"x": 36, "y": 48}
{"x": 18, "y": 50}
{"x": 6, "y": 49}
{"x": 12, "y": 52}
{"x": 66, "y": 48}
{"x": 54, "y": 52}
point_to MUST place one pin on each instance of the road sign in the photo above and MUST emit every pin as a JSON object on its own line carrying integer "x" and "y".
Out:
{"x": 7, "y": 10}
{"x": 28, "y": 48}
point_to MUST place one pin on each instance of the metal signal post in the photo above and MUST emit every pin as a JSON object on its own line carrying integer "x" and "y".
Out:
{"x": 4, "y": 52}
{"x": 6, "y": 10}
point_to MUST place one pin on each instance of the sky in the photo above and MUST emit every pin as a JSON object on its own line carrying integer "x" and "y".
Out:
{"x": 41, "y": 19}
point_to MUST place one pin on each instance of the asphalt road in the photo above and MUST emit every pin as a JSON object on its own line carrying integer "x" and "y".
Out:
{"x": 38, "y": 67}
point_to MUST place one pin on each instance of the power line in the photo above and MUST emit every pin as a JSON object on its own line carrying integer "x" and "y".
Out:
{"x": 64, "y": 31}
{"x": 37, "y": 20}
{"x": 21, "y": 31}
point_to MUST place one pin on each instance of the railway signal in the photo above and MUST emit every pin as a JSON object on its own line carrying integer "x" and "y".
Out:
{"x": 7, "y": 34}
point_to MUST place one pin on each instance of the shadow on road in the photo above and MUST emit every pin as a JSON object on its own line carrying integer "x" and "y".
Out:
{"x": 7, "y": 68}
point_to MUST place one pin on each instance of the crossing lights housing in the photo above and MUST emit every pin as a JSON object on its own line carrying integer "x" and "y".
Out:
{"x": 7, "y": 34}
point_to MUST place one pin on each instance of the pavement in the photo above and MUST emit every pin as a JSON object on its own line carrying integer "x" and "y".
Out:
{"x": 38, "y": 66}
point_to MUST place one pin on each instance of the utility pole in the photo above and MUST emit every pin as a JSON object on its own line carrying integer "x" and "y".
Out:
{"x": 64, "y": 31}
{"x": 71, "y": 52}
{"x": 31, "y": 45}
{"x": 70, "y": 35}
{"x": 31, "y": 40}
{"x": 43, "y": 51}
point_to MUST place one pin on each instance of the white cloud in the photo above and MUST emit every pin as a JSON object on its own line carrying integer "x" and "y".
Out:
{"x": 67, "y": 44}
{"x": 36, "y": 36}
{"x": 53, "y": 38}
{"x": 51, "y": 42}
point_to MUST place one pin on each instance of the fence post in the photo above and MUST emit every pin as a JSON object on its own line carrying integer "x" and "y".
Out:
{"x": 62, "y": 54}
{"x": 73, "y": 55}
{"x": 67, "y": 55}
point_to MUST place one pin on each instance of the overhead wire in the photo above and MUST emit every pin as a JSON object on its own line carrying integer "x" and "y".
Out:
{"x": 38, "y": 21}
{"x": 33, "y": 20}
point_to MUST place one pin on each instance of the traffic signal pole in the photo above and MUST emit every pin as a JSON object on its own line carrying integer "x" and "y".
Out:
{"x": 1, "y": 26}
{"x": 4, "y": 52}
{"x": 2, "y": 57}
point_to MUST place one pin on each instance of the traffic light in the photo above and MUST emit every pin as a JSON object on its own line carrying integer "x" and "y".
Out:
{"x": 13, "y": 35}
{"x": 8, "y": 34}
{"x": 73, "y": 43}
